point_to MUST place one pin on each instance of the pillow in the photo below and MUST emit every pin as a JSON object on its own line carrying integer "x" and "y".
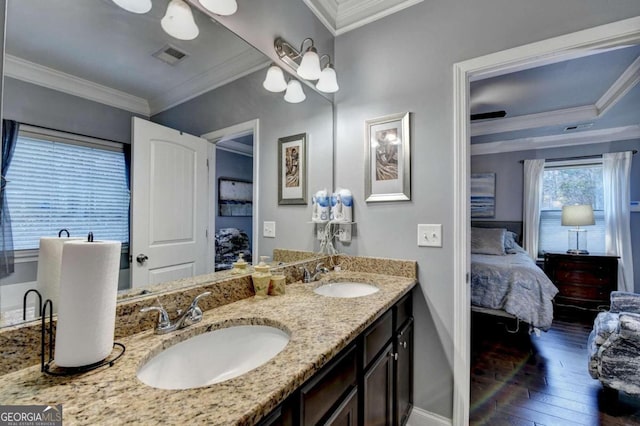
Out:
{"x": 510, "y": 242}
{"x": 488, "y": 241}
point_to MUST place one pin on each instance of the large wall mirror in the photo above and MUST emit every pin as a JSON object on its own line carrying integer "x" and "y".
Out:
{"x": 76, "y": 73}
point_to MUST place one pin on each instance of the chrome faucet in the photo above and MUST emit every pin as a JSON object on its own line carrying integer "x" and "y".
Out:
{"x": 191, "y": 315}
{"x": 306, "y": 275}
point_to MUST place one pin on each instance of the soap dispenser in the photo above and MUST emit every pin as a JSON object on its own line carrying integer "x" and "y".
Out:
{"x": 261, "y": 278}
{"x": 240, "y": 265}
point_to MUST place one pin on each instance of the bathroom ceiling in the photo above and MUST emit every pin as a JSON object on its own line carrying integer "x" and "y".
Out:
{"x": 596, "y": 96}
{"x": 86, "y": 45}
{"x": 341, "y": 16}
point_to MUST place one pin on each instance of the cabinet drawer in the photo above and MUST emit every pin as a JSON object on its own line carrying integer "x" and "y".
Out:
{"x": 594, "y": 293}
{"x": 377, "y": 336}
{"x": 327, "y": 388}
{"x": 588, "y": 276}
{"x": 403, "y": 310}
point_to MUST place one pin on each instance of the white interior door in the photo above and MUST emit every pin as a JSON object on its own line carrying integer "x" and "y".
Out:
{"x": 169, "y": 204}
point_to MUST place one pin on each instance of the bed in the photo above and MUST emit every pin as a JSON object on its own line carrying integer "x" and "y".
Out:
{"x": 505, "y": 281}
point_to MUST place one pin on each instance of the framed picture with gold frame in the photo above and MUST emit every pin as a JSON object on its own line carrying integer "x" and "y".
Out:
{"x": 292, "y": 169}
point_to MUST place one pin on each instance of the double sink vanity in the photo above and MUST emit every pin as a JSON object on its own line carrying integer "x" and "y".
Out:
{"x": 334, "y": 351}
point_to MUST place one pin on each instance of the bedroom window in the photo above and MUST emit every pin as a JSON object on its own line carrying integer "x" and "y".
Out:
{"x": 571, "y": 183}
{"x": 57, "y": 180}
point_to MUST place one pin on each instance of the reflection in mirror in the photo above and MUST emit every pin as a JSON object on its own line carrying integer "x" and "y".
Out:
{"x": 75, "y": 75}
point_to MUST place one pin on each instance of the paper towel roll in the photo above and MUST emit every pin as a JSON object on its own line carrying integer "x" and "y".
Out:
{"x": 49, "y": 260}
{"x": 87, "y": 308}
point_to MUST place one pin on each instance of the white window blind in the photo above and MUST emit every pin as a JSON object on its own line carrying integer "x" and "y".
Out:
{"x": 578, "y": 182}
{"x": 57, "y": 183}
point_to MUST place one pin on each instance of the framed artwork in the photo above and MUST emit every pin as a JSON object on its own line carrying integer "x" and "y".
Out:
{"x": 483, "y": 195}
{"x": 388, "y": 158}
{"x": 292, "y": 169}
{"x": 235, "y": 197}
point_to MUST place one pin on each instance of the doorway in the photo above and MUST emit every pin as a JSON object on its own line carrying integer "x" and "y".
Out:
{"x": 535, "y": 54}
{"x": 233, "y": 197}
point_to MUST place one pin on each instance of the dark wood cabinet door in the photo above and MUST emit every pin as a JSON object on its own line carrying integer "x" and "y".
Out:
{"x": 378, "y": 390}
{"x": 404, "y": 374}
{"x": 347, "y": 413}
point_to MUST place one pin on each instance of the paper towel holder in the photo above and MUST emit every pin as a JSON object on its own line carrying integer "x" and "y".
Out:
{"x": 48, "y": 367}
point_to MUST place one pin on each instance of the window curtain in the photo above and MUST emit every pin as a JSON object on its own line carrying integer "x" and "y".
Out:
{"x": 532, "y": 194}
{"x": 9, "y": 138}
{"x": 616, "y": 173}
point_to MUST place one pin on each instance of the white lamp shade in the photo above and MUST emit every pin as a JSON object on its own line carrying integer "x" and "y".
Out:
{"x": 309, "y": 68}
{"x": 294, "y": 93}
{"x": 578, "y": 215}
{"x": 134, "y": 6}
{"x": 274, "y": 81}
{"x": 220, "y": 7}
{"x": 328, "y": 82}
{"x": 178, "y": 21}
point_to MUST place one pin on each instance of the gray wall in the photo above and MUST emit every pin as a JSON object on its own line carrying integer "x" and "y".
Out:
{"x": 235, "y": 166}
{"x": 32, "y": 104}
{"x": 245, "y": 99}
{"x": 404, "y": 63}
{"x": 509, "y": 183}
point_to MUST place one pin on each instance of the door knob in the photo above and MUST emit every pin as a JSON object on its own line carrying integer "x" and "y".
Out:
{"x": 141, "y": 258}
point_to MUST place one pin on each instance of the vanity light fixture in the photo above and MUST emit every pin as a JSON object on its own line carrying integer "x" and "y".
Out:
{"x": 134, "y": 6}
{"x": 309, "y": 66}
{"x": 294, "y": 93}
{"x": 274, "y": 81}
{"x": 178, "y": 22}
{"x": 328, "y": 82}
{"x": 220, "y": 7}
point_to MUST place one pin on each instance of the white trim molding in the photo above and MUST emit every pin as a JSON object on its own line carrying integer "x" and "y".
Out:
{"x": 627, "y": 81}
{"x": 50, "y": 78}
{"x": 555, "y": 141}
{"x": 342, "y": 16}
{"x": 420, "y": 417}
{"x": 602, "y": 37}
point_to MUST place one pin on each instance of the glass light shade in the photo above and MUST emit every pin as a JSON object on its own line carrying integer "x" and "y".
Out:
{"x": 220, "y": 7}
{"x": 274, "y": 81}
{"x": 294, "y": 93}
{"x": 309, "y": 68}
{"x": 178, "y": 21}
{"x": 134, "y": 6}
{"x": 578, "y": 215}
{"x": 328, "y": 82}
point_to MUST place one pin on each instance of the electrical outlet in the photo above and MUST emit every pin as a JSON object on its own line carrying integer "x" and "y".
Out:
{"x": 344, "y": 233}
{"x": 429, "y": 235}
{"x": 269, "y": 230}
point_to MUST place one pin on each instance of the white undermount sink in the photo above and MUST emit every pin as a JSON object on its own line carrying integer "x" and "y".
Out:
{"x": 346, "y": 289}
{"x": 213, "y": 357}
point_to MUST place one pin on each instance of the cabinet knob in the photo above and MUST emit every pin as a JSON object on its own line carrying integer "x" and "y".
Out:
{"x": 404, "y": 344}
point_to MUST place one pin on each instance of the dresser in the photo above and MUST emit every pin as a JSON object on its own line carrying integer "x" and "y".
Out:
{"x": 583, "y": 281}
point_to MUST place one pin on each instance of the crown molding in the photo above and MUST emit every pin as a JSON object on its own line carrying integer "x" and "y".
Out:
{"x": 531, "y": 121}
{"x": 248, "y": 61}
{"x": 627, "y": 81}
{"x": 556, "y": 141}
{"x": 342, "y": 16}
{"x": 235, "y": 147}
{"x": 50, "y": 78}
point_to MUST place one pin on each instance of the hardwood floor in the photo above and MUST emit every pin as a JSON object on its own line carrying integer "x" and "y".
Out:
{"x": 522, "y": 379}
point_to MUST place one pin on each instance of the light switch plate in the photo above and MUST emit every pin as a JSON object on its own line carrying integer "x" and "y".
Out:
{"x": 429, "y": 235}
{"x": 269, "y": 229}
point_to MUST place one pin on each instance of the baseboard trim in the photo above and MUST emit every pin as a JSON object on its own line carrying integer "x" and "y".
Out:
{"x": 421, "y": 417}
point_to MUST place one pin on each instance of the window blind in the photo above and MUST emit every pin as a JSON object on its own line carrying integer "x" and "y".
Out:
{"x": 75, "y": 186}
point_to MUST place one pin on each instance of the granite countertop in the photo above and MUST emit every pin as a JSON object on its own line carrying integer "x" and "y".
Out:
{"x": 319, "y": 327}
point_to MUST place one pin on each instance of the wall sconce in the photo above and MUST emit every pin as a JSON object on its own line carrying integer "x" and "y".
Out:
{"x": 309, "y": 67}
{"x": 294, "y": 93}
{"x": 178, "y": 21}
{"x": 275, "y": 82}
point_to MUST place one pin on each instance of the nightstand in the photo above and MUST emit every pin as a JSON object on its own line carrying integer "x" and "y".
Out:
{"x": 583, "y": 281}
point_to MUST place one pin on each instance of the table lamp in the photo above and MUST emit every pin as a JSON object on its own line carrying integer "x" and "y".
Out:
{"x": 577, "y": 216}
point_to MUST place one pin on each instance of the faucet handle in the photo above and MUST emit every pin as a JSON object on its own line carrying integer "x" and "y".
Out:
{"x": 163, "y": 317}
{"x": 321, "y": 268}
{"x": 196, "y": 299}
{"x": 306, "y": 275}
